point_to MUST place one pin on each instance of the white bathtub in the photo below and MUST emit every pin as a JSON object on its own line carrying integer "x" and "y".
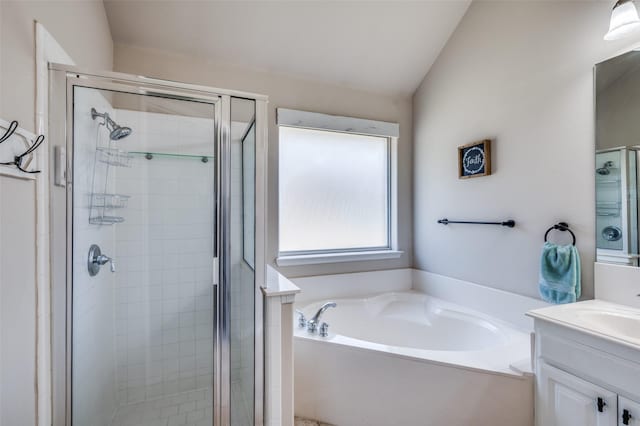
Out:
{"x": 406, "y": 358}
{"x": 417, "y": 326}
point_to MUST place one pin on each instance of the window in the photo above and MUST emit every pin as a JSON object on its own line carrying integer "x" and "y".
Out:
{"x": 335, "y": 189}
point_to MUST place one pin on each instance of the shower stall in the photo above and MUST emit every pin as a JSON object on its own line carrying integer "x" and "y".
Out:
{"x": 157, "y": 240}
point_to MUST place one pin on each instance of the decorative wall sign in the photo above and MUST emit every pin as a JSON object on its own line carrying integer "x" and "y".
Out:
{"x": 474, "y": 159}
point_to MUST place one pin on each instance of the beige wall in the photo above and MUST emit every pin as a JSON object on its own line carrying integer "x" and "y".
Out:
{"x": 81, "y": 28}
{"x": 297, "y": 94}
{"x": 17, "y": 302}
{"x": 521, "y": 74}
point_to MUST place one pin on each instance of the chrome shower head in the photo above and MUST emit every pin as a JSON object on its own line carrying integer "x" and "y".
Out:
{"x": 120, "y": 132}
{"x": 117, "y": 132}
{"x": 605, "y": 169}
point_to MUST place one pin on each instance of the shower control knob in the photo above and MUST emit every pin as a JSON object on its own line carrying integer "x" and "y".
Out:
{"x": 611, "y": 233}
{"x": 97, "y": 259}
{"x": 324, "y": 329}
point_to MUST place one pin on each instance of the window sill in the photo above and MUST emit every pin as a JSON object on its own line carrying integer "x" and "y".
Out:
{"x": 312, "y": 259}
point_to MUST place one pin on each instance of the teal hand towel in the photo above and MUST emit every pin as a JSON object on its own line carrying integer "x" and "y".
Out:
{"x": 559, "y": 273}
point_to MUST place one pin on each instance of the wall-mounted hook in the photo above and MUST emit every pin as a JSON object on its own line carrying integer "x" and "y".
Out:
{"x": 10, "y": 131}
{"x": 17, "y": 160}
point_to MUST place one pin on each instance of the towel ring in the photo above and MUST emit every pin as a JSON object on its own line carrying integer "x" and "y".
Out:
{"x": 561, "y": 226}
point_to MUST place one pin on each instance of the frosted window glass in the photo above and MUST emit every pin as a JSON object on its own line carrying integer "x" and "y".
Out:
{"x": 333, "y": 190}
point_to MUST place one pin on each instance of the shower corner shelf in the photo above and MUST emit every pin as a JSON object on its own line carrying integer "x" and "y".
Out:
{"x": 114, "y": 157}
{"x": 102, "y": 202}
{"x": 109, "y": 201}
{"x": 105, "y": 220}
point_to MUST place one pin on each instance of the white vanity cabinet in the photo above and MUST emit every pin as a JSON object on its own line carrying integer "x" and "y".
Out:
{"x": 568, "y": 400}
{"x": 628, "y": 412}
{"x": 587, "y": 370}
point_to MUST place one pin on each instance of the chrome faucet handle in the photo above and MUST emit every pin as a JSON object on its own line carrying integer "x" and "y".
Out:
{"x": 302, "y": 320}
{"x": 103, "y": 259}
{"x": 324, "y": 329}
{"x": 312, "y": 327}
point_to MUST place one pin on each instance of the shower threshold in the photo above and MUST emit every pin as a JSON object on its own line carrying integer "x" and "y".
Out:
{"x": 191, "y": 408}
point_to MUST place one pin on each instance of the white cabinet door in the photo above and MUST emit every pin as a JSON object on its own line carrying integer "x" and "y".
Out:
{"x": 628, "y": 412}
{"x": 566, "y": 400}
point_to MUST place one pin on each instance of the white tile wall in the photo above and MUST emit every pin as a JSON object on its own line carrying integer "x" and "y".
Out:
{"x": 143, "y": 336}
{"x": 94, "y": 359}
{"x": 164, "y": 316}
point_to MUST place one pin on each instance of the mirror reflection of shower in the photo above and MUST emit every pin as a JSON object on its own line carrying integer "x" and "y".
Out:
{"x": 617, "y": 207}
{"x": 117, "y": 132}
{"x": 605, "y": 169}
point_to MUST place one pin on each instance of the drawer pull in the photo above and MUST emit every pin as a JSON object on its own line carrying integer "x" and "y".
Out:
{"x": 626, "y": 416}
{"x": 601, "y": 405}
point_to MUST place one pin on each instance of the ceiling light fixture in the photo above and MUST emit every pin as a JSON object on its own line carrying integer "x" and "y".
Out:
{"x": 624, "y": 20}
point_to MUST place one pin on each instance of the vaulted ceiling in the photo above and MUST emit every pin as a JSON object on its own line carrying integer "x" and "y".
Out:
{"x": 381, "y": 46}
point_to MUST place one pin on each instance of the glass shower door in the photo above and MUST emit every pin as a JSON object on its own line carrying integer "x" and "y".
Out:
{"x": 144, "y": 242}
{"x": 242, "y": 262}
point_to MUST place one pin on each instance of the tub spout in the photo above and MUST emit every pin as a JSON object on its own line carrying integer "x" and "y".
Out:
{"x": 312, "y": 324}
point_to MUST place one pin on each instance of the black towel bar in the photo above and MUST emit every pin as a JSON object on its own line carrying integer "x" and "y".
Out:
{"x": 508, "y": 223}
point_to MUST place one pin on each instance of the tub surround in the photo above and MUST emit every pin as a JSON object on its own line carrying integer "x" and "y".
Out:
{"x": 419, "y": 327}
{"x": 279, "y": 285}
{"x": 357, "y": 284}
{"x": 369, "y": 356}
{"x": 279, "y": 295}
{"x": 345, "y": 386}
{"x": 506, "y": 306}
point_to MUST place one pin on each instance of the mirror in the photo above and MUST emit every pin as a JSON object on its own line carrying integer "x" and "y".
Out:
{"x": 617, "y": 94}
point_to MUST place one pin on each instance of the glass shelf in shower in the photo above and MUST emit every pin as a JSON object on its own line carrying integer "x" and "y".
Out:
{"x": 608, "y": 182}
{"x": 149, "y": 155}
{"x": 607, "y": 214}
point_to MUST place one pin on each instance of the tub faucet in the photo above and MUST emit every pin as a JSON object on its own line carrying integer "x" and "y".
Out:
{"x": 312, "y": 324}
{"x": 302, "y": 320}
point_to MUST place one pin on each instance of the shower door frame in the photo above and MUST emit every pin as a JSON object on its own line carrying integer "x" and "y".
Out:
{"x": 62, "y": 80}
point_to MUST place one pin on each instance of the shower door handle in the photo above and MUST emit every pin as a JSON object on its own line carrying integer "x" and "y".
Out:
{"x": 215, "y": 271}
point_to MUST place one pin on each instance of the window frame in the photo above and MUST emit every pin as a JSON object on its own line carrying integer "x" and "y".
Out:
{"x": 356, "y": 126}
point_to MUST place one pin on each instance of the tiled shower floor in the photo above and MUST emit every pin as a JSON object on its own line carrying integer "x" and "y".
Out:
{"x": 193, "y": 408}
